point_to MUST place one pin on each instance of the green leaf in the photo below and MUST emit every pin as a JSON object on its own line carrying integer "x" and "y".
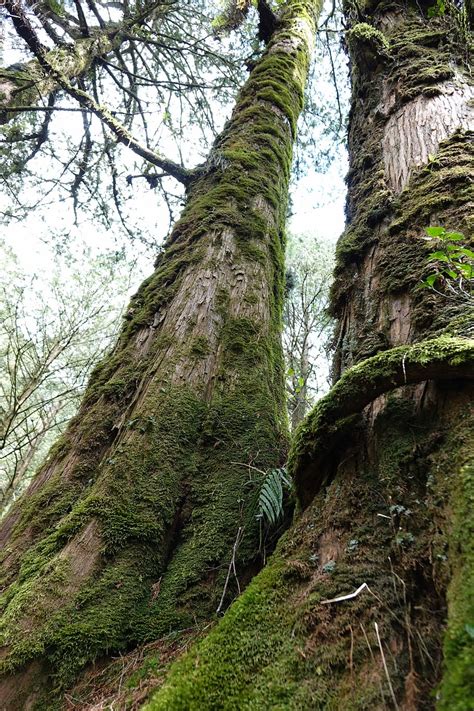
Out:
{"x": 466, "y": 252}
{"x": 431, "y": 279}
{"x": 270, "y": 498}
{"x": 438, "y": 257}
{"x": 454, "y": 236}
{"x": 467, "y": 270}
{"x": 435, "y": 231}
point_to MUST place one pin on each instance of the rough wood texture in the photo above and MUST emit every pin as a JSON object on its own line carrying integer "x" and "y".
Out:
{"x": 414, "y": 131}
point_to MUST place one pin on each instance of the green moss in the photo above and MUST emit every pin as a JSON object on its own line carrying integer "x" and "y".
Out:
{"x": 321, "y": 431}
{"x": 422, "y": 56}
{"x": 200, "y": 347}
{"x": 457, "y": 687}
{"x": 371, "y": 44}
{"x": 279, "y": 647}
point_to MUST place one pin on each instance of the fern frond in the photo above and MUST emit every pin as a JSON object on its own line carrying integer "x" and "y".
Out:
{"x": 270, "y": 497}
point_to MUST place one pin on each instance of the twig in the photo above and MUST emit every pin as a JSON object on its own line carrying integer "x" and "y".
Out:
{"x": 351, "y": 655}
{"x": 404, "y": 369}
{"x": 372, "y": 656}
{"x": 243, "y": 464}
{"x": 336, "y": 88}
{"x": 231, "y": 568}
{"x": 350, "y": 596}
{"x": 385, "y": 666}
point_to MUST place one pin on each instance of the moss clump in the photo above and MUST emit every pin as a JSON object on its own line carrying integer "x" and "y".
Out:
{"x": 200, "y": 347}
{"x": 457, "y": 688}
{"x": 371, "y": 45}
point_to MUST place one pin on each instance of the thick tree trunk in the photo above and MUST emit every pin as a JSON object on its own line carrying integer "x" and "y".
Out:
{"x": 367, "y": 603}
{"x": 127, "y": 531}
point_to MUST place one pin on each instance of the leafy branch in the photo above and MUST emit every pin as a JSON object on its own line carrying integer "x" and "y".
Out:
{"x": 452, "y": 264}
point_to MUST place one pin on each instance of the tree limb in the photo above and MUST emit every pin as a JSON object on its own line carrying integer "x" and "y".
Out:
{"x": 439, "y": 358}
{"x": 122, "y": 135}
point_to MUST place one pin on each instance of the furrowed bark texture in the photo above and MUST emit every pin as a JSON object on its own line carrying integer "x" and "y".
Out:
{"x": 387, "y": 485}
{"x": 126, "y": 533}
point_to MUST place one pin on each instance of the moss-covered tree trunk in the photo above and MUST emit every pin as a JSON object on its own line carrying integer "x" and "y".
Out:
{"x": 368, "y": 601}
{"x": 127, "y": 532}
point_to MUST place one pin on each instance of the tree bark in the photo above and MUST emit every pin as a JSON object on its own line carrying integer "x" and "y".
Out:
{"x": 367, "y": 602}
{"x": 27, "y": 86}
{"x": 126, "y": 533}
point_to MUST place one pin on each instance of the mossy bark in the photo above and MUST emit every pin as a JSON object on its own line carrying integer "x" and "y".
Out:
{"x": 28, "y": 85}
{"x": 126, "y": 533}
{"x": 367, "y": 602}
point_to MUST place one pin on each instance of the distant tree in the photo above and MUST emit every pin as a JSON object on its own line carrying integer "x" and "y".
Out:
{"x": 307, "y": 324}
{"x": 47, "y": 349}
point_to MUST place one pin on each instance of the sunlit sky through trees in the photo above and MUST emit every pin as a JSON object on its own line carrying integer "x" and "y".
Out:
{"x": 317, "y": 195}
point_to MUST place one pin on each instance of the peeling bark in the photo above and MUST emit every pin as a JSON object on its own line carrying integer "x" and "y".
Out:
{"x": 414, "y": 131}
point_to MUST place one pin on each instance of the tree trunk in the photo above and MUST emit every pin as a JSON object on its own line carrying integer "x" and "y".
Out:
{"x": 126, "y": 533}
{"x": 367, "y": 602}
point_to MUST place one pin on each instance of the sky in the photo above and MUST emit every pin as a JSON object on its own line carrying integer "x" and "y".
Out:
{"x": 317, "y": 201}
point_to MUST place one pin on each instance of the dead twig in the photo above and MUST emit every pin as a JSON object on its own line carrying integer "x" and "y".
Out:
{"x": 392, "y": 693}
{"x": 231, "y": 568}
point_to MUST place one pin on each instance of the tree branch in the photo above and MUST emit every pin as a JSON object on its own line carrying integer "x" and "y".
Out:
{"x": 122, "y": 135}
{"x": 439, "y": 358}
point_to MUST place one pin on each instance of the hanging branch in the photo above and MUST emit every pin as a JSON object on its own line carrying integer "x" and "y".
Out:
{"x": 122, "y": 135}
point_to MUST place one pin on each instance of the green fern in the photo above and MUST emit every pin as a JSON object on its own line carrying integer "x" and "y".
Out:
{"x": 270, "y": 496}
